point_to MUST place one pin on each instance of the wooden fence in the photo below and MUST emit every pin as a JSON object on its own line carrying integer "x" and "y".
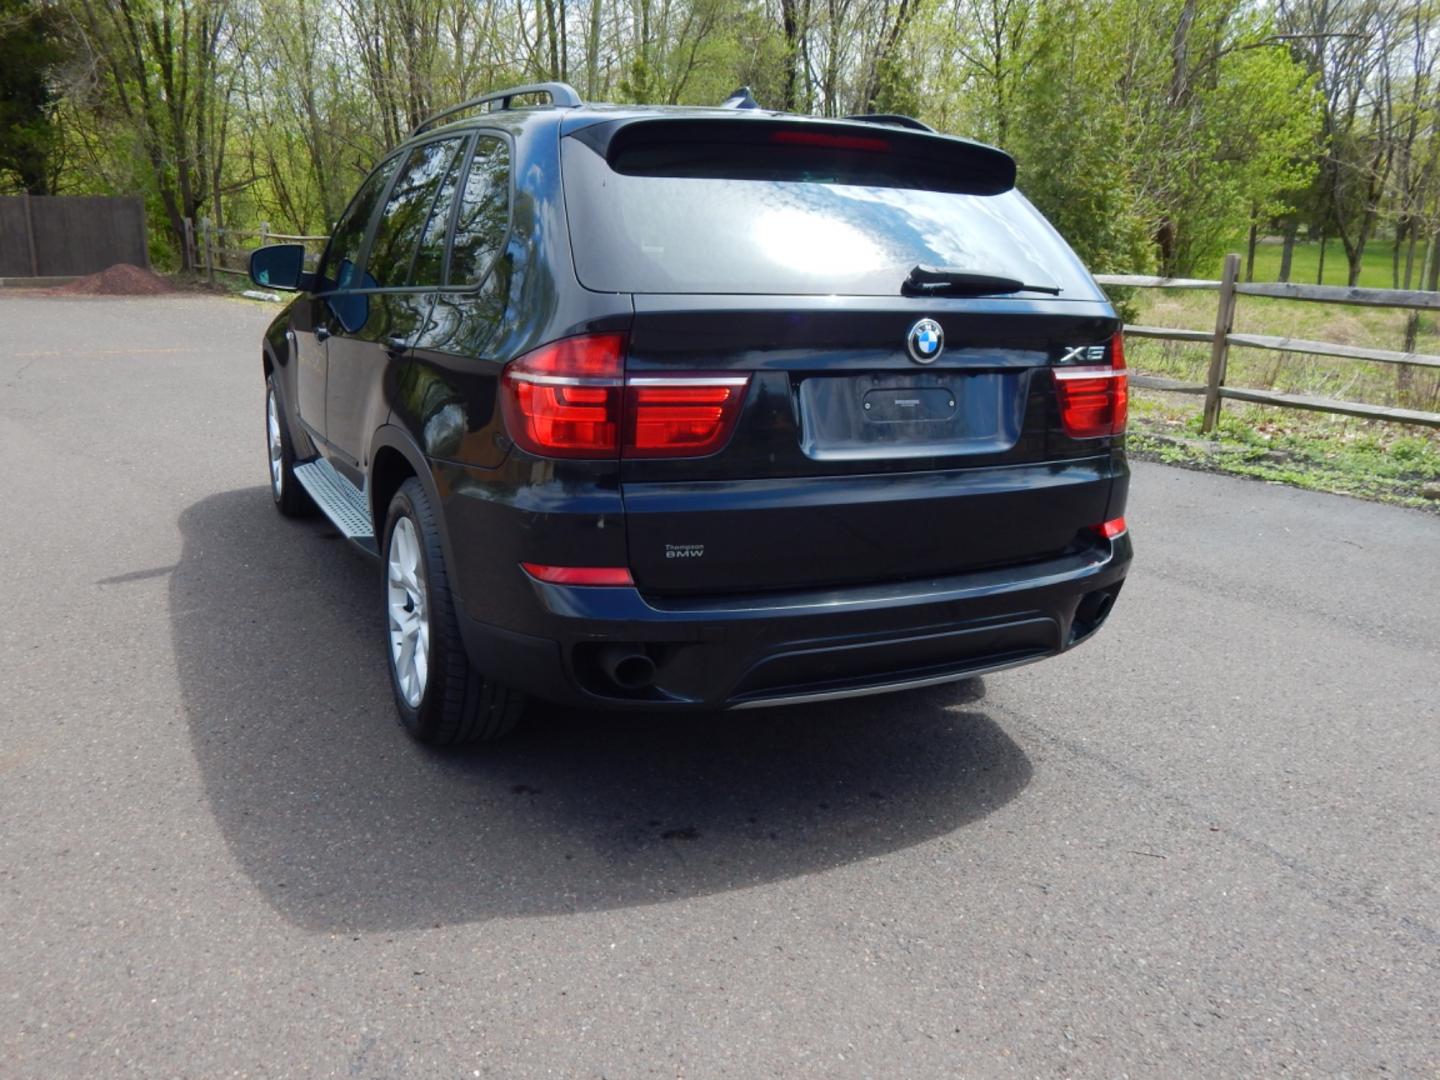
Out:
{"x": 70, "y": 235}
{"x": 1223, "y": 337}
{"x": 209, "y": 250}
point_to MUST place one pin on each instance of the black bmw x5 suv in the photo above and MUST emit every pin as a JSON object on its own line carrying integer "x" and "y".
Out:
{"x": 680, "y": 408}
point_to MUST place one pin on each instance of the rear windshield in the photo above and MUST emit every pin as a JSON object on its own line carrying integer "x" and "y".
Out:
{"x": 654, "y": 233}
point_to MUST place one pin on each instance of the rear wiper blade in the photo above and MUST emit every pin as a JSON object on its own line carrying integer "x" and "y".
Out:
{"x": 935, "y": 280}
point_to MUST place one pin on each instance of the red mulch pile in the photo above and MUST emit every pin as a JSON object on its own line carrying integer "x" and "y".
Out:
{"x": 122, "y": 279}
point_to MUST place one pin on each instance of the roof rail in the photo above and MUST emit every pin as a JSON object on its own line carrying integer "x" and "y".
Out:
{"x": 893, "y": 119}
{"x": 561, "y": 94}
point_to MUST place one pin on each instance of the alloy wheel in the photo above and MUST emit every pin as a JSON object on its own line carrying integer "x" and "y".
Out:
{"x": 277, "y": 443}
{"x": 408, "y": 611}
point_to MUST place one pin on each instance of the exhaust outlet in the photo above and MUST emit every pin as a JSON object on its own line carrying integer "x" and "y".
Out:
{"x": 1092, "y": 610}
{"x": 627, "y": 667}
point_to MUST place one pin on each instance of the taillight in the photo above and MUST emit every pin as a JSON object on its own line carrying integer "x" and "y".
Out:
{"x": 1112, "y": 528}
{"x": 563, "y": 399}
{"x": 681, "y": 415}
{"x": 1094, "y": 397}
{"x": 571, "y": 399}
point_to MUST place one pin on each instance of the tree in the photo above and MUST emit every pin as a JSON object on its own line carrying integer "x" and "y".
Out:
{"x": 162, "y": 74}
{"x": 1350, "y": 50}
{"x": 31, "y": 50}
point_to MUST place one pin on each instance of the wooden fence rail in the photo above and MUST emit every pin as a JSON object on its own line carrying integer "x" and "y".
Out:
{"x": 212, "y": 255}
{"x": 1223, "y": 337}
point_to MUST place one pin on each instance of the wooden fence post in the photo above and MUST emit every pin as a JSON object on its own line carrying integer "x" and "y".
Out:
{"x": 1220, "y": 348}
{"x": 264, "y": 233}
{"x": 207, "y": 231}
{"x": 188, "y": 257}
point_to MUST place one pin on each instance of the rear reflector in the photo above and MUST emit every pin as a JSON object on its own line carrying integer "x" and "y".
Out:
{"x": 1112, "y": 528}
{"x": 570, "y": 399}
{"x": 580, "y": 575}
{"x": 1094, "y": 398}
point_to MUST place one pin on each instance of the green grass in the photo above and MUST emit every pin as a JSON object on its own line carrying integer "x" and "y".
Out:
{"x": 1385, "y": 462}
{"x": 1375, "y": 267}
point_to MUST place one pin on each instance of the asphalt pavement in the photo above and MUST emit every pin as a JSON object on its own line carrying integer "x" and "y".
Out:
{"x": 1205, "y": 844}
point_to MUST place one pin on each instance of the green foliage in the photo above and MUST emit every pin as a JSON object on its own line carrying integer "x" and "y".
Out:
{"x": 1144, "y": 154}
{"x": 1252, "y": 146}
{"x": 1069, "y": 130}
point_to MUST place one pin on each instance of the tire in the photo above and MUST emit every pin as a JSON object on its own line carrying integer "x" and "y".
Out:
{"x": 291, "y": 499}
{"x": 442, "y": 700}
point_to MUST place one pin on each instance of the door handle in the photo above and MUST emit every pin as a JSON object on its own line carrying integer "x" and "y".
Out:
{"x": 321, "y": 333}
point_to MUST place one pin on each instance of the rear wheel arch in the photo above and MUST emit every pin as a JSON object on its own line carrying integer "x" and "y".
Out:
{"x": 394, "y": 458}
{"x": 389, "y": 468}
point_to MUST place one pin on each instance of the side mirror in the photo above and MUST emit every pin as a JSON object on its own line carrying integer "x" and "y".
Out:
{"x": 279, "y": 266}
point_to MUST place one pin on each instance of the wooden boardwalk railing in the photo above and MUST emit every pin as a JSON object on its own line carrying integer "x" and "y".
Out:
{"x": 1223, "y": 337}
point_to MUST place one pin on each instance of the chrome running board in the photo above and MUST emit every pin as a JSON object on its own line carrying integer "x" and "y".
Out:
{"x": 340, "y": 501}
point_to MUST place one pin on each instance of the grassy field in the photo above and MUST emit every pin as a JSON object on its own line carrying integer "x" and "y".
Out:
{"x": 1375, "y": 268}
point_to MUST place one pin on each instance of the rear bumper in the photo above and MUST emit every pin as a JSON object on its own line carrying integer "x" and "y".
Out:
{"x": 779, "y": 648}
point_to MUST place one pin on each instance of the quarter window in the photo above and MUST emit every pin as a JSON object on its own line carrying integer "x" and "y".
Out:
{"x": 484, "y": 216}
{"x": 430, "y": 255}
{"x": 406, "y": 212}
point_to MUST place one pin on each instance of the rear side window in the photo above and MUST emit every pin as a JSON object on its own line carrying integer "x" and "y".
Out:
{"x": 484, "y": 216}
{"x": 812, "y": 214}
{"x": 406, "y": 213}
{"x": 343, "y": 252}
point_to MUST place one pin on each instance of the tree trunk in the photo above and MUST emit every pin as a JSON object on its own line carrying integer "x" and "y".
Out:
{"x": 886, "y": 56}
{"x": 1395, "y": 254}
{"x": 1432, "y": 272}
{"x": 1287, "y": 253}
{"x": 790, "y": 23}
{"x": 1414, "y": 235}
{"x": 1355, "y": 259}
{"x": 592, "y": 54}
{"x": 1250, "y": 250}
{"x": 552, "y": 41}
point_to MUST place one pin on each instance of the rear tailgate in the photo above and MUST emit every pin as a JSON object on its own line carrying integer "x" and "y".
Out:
{"x": 777, "y": 252}
{"x": 951, "y": 467}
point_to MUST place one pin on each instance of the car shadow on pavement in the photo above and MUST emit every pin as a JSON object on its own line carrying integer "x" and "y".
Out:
{"x": 343, "y": 824}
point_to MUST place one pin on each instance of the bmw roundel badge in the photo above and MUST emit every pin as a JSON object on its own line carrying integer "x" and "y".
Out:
{"x": 926, "y": 341}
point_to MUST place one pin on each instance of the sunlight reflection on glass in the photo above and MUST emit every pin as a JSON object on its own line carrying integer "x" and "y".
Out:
{"x": 801, "y": 241}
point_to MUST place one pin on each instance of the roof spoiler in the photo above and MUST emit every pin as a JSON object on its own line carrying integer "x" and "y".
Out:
{"x": 768, "y": 147}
